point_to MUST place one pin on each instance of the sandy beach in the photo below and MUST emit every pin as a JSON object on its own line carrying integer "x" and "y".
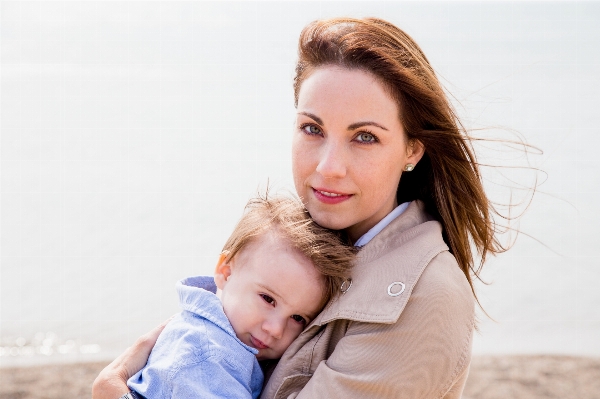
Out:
{"x": 491, "y": 377}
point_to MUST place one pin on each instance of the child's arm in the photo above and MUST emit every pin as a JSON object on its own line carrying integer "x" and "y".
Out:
{"x": 205, "y": 377}
{"x": 193, "y": 358}
{"x": 216, "y": 378}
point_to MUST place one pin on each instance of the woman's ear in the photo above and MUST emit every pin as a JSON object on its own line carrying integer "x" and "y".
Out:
{"x": 414, "y": 151}
{"x": 222, "y": 271}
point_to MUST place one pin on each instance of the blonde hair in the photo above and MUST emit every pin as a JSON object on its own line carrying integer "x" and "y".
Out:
{"x": 288, "y": 216}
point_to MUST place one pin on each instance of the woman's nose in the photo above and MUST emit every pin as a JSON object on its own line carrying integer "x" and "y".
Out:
{"x": 274, "y": 326}
{"x": 332, "y": 161}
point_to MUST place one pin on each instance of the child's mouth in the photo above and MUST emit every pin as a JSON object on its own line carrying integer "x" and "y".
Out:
{"x": 257, "y": 343}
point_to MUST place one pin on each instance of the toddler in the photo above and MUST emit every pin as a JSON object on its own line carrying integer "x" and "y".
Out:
{"x": 276, "y": 272}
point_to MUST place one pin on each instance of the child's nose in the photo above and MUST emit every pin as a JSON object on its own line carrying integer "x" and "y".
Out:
{"x": 274, "y": 326}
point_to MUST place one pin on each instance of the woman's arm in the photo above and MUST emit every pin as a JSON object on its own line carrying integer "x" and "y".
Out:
{"x": 111, "y": 383}
{"x": 425, "y": 354}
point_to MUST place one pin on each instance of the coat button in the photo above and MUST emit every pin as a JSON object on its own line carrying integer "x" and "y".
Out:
{"x": 346, "y": 285}
{"x": 395, "y": 291}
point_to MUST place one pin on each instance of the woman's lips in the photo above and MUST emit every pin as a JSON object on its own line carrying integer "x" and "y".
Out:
{"x": 257, "y": 343}
{"x": 330, "y": 197}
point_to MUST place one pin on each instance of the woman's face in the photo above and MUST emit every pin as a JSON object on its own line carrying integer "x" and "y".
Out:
{"x": 349, "y": 149}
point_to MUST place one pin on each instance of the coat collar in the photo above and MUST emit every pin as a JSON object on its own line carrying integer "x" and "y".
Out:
{"x": 387, "y": 269}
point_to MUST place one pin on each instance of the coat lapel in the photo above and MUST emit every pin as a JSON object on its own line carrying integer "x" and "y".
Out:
{"x": 387, "y": 269}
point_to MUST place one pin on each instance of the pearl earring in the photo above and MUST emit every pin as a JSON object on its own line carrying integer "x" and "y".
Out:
{"x": 409, "y": 167}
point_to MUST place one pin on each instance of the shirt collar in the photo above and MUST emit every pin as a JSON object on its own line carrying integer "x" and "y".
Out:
{"x": 368, "y": 236}
{"x": 197, "y": 295}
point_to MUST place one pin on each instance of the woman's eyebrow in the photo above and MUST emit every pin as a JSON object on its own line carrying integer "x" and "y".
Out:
{"x": 353, "y": 126}
{"x": 312, "y": 116}
{"x": 366, "y": 123}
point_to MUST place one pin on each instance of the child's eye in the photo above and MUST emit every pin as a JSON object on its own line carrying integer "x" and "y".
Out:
{"x": 299, "y": 319}
{"x": 267, "y": 298}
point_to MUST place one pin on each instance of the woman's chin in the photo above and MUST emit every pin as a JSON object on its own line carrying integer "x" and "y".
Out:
{"x": 331, "y": 220}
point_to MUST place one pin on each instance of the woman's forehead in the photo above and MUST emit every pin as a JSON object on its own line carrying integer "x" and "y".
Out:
{"x": 347, "y": 96}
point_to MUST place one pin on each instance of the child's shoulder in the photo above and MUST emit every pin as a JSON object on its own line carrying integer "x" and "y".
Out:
{"x": 191, "y": 339}
{"x": 192, "y": 351}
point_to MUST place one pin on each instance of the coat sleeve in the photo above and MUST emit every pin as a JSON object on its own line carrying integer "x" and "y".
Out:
{"x": 425, "y": 354}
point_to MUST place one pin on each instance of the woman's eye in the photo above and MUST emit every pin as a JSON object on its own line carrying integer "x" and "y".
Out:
{"x": 366, "y": 137}
{"x": 267, "y": 299}
{"x": 299, "y": 319}
{"x": 311, "y": 129}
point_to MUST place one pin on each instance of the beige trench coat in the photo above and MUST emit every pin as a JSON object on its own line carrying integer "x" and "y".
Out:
{"x": 402, "y": 330}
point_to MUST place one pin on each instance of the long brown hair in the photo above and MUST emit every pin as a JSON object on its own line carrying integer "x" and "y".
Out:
{"x": 447, "y": 178}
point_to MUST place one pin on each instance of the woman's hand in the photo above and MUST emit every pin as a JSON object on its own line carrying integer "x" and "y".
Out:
{"x": 111, "y": 383}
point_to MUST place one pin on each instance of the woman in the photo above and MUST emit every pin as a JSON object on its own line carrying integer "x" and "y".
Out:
{"x": 379, "y": 154}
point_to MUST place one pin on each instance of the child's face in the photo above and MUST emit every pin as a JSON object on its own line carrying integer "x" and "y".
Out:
{"x": 270, "y": 292}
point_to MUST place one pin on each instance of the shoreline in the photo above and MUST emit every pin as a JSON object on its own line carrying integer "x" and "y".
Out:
{"x": 490, "y": 377}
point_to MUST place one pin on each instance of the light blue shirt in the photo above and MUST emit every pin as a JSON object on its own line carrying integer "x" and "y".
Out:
{"x": 198, "y": 354}
{"x": 368, "y": 236}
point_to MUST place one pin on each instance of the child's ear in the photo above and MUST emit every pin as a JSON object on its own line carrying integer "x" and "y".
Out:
{"x": 222, "y": 271}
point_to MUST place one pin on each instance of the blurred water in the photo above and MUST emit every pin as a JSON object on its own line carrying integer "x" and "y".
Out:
{"x": 132, "y": 134}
